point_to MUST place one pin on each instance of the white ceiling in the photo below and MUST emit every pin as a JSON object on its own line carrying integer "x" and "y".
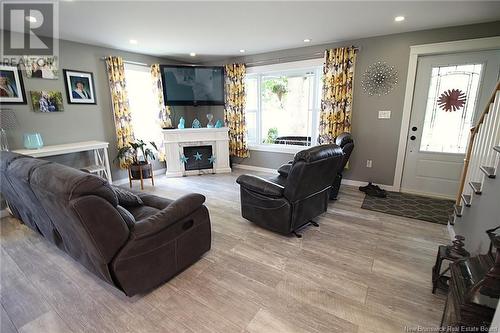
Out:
{"x": 221, "y": 29}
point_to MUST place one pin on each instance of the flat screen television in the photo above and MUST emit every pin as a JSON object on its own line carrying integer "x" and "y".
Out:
{"x": 192, "y": 85}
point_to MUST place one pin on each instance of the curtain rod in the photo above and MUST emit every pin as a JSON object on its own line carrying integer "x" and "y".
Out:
{"x": 131, "y": 62}
{"x": 290, "y": 58}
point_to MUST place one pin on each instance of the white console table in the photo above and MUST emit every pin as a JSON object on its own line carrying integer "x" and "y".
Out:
{"x": 100, "y": 149}
{"x": 176, "y": 139}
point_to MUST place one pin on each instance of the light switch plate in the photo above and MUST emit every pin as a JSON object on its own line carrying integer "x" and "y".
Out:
{"x": 384, "y": 114}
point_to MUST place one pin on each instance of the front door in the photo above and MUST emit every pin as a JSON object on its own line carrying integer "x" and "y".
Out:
{"x": 451, "y": 91}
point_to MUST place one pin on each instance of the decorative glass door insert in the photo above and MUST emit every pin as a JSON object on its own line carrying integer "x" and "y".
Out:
{"x": 451, "y": 102}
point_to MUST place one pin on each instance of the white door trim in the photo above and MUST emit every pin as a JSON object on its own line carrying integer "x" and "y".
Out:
{"x": 479, "y": 44}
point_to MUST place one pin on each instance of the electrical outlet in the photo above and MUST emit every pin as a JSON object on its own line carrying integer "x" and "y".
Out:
{"x": 384, "y": 114}
{"x": 368, "y": 163}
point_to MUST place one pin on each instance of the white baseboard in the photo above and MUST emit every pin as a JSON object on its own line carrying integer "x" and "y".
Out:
{"x": 348, "y": 182}
{"x": 156, "y": 172}
{"x": 451, "y": 232}
{"x": 254, "y": 168}
{"x": 4, "y": 213}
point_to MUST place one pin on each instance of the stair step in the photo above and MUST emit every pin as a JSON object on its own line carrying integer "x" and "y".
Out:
{"x": 466, "y": 198}
{"x": 458, "y": 210}
{"x": 497, "y": 149}
{"x": 488, "y": 171}
{"x": 476, "y": 187}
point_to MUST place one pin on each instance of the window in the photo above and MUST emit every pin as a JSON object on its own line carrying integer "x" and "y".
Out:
{"x": 447, "y": 132}
{"x": 143, "y": 104}
{"x": 282, "y": 105}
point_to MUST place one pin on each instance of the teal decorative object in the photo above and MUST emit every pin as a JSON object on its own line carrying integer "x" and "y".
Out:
{"x": 181, "y": 123}
{"x": 218, "y": 124}
{"x": 197, "y": 156}
{"x": 183, "y": 159}
{"x": 196, "y": 123}
{"x": 33, "y": 141}
{"x": 212, "y": 159}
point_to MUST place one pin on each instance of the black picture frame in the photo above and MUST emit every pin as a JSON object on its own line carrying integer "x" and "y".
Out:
{"x": 87, "y": 79}
{"x": 19, "y": 86}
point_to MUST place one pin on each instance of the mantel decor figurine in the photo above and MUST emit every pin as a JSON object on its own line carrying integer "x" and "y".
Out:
{"x": 181, "y": 123}
{"x": 218, "y": 124}
{"x": 210, "y": 118}
{"x": 196, "y": 123}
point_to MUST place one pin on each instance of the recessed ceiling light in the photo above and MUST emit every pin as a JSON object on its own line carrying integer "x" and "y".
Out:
{"x": 242, "y": 51}
{"x": 31, "y": 19}
{"x": 133, "y": 41}
{"x": 307, "y": 40}
{"x": 192, "y": 54}
{"x": 399, "y": 18}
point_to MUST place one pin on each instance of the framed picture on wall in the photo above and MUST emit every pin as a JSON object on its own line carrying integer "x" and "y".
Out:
{"x": 41, "y": 67}
{"x": 11, "y": 85}
{"x": 79, "y": 87}
{"x": 47, "y": 101}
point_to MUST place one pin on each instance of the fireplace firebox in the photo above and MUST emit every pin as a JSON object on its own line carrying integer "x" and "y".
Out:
{"x": 198, "y": 157}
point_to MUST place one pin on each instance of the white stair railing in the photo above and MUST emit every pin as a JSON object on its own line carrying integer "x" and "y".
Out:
{"x": 483, "y": 137}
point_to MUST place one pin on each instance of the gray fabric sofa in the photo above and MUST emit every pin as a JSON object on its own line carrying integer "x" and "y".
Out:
{"x": 133, "y": 248}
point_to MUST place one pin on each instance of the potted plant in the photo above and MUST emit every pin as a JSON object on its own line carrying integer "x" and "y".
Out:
{"x": 140, "y": 155}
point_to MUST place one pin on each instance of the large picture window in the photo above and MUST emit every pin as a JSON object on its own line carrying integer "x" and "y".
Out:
{"x": 282, "y": 105}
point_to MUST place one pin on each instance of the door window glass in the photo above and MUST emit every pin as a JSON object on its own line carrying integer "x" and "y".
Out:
{"x": 451, "y": 102}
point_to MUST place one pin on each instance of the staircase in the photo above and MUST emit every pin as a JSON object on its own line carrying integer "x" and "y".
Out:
{"x": 477, "y": 206}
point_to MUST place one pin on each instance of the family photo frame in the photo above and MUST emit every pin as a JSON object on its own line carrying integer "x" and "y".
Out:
{"x": 80, "y": 87}
{"x": 11, "y": 85}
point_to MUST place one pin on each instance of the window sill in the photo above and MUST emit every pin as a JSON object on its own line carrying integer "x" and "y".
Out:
{"x": 285, "y": 149}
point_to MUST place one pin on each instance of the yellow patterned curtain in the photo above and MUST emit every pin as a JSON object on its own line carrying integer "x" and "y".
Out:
{"x": 165, "y": 111}
{"x": 119, "y": 99}
{"x": 336, "y": 101}
{"x": 234, "y": 114}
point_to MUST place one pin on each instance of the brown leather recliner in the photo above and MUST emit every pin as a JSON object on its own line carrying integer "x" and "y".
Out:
{"x": 284, "y": 204}
{"x": 134, "y": 248}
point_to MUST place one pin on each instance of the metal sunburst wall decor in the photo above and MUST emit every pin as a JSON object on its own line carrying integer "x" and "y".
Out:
{"x": 379, "y": 79}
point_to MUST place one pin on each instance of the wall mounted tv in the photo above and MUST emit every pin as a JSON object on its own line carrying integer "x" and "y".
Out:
{"x": 192, "y": 85}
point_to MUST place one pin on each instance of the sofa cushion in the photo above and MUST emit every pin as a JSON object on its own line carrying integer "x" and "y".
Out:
{"x": 142, "y": 212}
{"x": 127, "y": 217}
{"x": 126, "y": 198}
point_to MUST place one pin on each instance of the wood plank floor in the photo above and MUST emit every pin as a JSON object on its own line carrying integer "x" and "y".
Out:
{"x": 360, "y": 271}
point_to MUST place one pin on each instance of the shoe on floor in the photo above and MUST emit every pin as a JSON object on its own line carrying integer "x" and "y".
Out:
{"x": 373, "y": 190}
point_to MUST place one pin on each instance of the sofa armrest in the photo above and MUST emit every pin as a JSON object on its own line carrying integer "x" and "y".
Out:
{"x": 174, "y": 212}
{"x": 284, "y": 170}
{"x": 260, "y": 185}
{"x": 153, "y": 200}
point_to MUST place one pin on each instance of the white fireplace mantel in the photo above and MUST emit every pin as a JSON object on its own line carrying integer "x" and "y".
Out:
{"x": 176, "y": 139}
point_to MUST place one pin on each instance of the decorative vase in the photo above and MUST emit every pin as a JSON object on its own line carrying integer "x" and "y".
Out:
{"x": 181, "y": 123}
{"x": 33, "y": 141}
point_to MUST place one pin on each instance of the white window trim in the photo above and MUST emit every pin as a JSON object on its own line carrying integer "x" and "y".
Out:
{"x": 283, "y": 67}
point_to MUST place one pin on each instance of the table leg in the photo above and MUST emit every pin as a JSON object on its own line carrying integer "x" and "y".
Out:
{"x": 142, "y": 180}
{"x": 130, "y": 177}
{"x": 108, "y": 168}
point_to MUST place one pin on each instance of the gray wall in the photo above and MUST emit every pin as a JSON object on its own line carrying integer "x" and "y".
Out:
{"x": 375, "y": 139}
{"x": 77, "y": 122}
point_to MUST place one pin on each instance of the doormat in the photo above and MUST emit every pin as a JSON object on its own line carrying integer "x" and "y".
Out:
{"x": 412, "y": 206}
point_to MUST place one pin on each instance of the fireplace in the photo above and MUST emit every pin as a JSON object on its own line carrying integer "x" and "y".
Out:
{"x": 198, "y": 157}
{"x": 176, "y": 140}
